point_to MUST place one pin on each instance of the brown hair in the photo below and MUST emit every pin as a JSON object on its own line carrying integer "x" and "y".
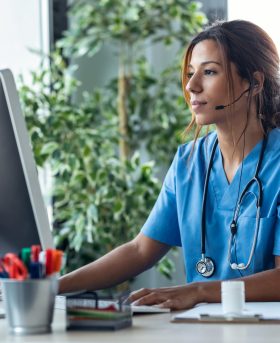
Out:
{"x": 251, "y": 49}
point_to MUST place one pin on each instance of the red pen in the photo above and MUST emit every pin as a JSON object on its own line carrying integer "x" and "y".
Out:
{"x": 35, "y": 251}
{"x": 49, "y": 262}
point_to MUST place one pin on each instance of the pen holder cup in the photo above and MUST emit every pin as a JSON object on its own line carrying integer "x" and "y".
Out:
{"x": 29, "y": 304}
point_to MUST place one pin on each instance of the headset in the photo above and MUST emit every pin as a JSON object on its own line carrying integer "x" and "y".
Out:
{"x": 221, "y": 107}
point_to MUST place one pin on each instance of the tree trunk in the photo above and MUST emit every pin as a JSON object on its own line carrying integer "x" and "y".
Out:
{"x": 122, "y": 112}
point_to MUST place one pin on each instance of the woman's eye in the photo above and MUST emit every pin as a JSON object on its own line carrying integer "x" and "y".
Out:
{"x": 209, "y": 72}
{"x": 189, "y": 75}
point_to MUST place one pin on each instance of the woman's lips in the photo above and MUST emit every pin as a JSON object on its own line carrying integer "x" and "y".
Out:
{"x": 197, "y": 104}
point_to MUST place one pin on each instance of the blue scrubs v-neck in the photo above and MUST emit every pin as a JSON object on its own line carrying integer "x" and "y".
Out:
{"x": 227, "y": 193}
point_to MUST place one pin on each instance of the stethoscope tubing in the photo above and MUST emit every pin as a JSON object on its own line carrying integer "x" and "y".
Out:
{"x": 246, "y": 266}
{"x": 205, "y": 189}
{"x": 236, "y": 212}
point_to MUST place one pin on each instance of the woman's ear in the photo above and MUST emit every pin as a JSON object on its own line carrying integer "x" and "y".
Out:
{"x": 257, "y": 85}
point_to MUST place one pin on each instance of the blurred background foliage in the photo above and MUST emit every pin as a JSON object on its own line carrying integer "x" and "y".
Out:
{"x": 102, "y": 189}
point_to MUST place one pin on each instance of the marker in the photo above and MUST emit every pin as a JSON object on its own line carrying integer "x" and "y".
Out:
{"x": 26, "y": 256}
{"x": 35, "y": 251}
{"x": 49, "y": 262}
{"x": 42, "y": 260}
{"x": 36, "y": 270}
{"x": 57, "y": 260}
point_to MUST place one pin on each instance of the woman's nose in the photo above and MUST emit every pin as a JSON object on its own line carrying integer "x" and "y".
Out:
{"x": 193, "y": 85}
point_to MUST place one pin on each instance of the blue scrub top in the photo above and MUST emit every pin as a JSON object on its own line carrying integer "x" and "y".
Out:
{"x": 176, "y": 216}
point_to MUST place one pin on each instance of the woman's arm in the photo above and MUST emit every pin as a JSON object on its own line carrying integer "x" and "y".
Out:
{"x": 117, "y": 266}
{"x": 258, "y": 287}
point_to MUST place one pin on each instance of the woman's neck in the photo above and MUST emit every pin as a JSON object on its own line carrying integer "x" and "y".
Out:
{"x": 236, "y": 144}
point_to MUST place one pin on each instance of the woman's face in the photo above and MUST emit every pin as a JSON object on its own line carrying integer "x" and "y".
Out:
{"x": 207, "y": 86}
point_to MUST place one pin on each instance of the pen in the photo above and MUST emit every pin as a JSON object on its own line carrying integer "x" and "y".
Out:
{"x": 36, "y": 270}
{"x": 35, "y": 251}
{"x": 34, "y": 263}
{"x": 57, "y": 260}
{"x": 25, "y": 256}
{"x": 49, "y": 261}
{"x": 42, "y": 260}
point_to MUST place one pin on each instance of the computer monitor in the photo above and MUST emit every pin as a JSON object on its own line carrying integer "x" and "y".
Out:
{"x": 23, "y": 216}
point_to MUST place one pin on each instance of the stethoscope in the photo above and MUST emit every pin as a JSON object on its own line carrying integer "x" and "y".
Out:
{"x": 205, "y": 266}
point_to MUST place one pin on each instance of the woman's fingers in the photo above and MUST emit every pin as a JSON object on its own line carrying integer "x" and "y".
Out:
{"x": 175, "y": 304}
{"x": 167, "y": 304}
{"x": 152, "y": 298}
{"x": 146, "y": 296}
{"x": 175, "y": 298}
{"x": 134, "y": 296}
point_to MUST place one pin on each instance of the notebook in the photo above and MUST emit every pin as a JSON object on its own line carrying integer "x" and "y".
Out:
{"x": 254, "y": 311}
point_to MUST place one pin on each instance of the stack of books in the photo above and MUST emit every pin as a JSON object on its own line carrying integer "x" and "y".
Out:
{"x": 85, "y": 311}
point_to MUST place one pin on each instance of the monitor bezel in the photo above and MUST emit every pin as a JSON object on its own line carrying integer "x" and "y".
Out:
{"x": 27, "y": 160}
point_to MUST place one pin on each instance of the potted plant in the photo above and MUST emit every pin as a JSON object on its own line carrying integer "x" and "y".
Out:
{"x": 102, "y": 191}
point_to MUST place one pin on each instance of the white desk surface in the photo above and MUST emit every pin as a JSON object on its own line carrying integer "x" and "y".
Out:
{"x": 153, "y": 328}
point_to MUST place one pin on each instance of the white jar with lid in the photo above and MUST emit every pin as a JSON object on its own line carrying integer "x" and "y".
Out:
{"x": 233, "y": 297}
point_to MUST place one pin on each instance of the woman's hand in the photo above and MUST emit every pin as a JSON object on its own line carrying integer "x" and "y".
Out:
{"x": 175, "y": 298}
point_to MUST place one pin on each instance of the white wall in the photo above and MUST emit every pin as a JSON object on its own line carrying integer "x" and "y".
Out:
{"x": 23, "y": 26}
{"x": 263, "y": 13}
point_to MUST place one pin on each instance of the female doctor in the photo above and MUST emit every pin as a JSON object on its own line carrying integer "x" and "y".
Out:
{"x": 220, "y": 200}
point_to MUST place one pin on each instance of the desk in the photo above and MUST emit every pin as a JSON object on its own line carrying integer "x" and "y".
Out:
{"x": 154, "y": 328}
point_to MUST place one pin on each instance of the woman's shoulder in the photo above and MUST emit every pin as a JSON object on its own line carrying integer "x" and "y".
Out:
{"x": 201, "y": 145}
{"x": 272, "y": 149}
{"x": 274, "y": 140}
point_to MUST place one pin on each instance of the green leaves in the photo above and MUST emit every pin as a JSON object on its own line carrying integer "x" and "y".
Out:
{"x": 95, "y": 22}
{"x": 99, "y": 201}
{"x": 166, "y": 267}
{"x": 92, "y": 213}
{"x": 49, "y": 148}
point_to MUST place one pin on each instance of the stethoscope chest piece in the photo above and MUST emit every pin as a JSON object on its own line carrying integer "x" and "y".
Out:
{"x": 205, "y": 267}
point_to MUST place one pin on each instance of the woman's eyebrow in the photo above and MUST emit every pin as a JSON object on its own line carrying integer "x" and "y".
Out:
{"x": 207, "y": 62}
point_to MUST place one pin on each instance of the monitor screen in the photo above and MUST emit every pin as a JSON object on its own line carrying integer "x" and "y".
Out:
{"x": 23, "y": 216}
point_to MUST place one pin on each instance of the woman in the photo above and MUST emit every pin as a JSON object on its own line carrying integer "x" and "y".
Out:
{"x": 227, "y": 228}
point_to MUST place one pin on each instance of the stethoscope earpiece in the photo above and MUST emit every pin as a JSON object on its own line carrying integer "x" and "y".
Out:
{"x": 239, "y": 266}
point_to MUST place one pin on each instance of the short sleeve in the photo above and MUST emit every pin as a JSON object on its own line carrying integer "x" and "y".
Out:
{"x": 162, "y": 223}
{"x": 276, "y": 249}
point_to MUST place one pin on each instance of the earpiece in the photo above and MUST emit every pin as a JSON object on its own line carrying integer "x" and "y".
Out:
{"x": 239, "y": 266}
{"x": 256, "y": 84}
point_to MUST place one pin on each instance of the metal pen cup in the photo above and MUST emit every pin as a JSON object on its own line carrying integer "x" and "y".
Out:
{"x": 29, "y": 304}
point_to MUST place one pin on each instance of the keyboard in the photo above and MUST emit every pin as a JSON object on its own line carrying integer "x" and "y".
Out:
{"x": 148, "y": 309}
